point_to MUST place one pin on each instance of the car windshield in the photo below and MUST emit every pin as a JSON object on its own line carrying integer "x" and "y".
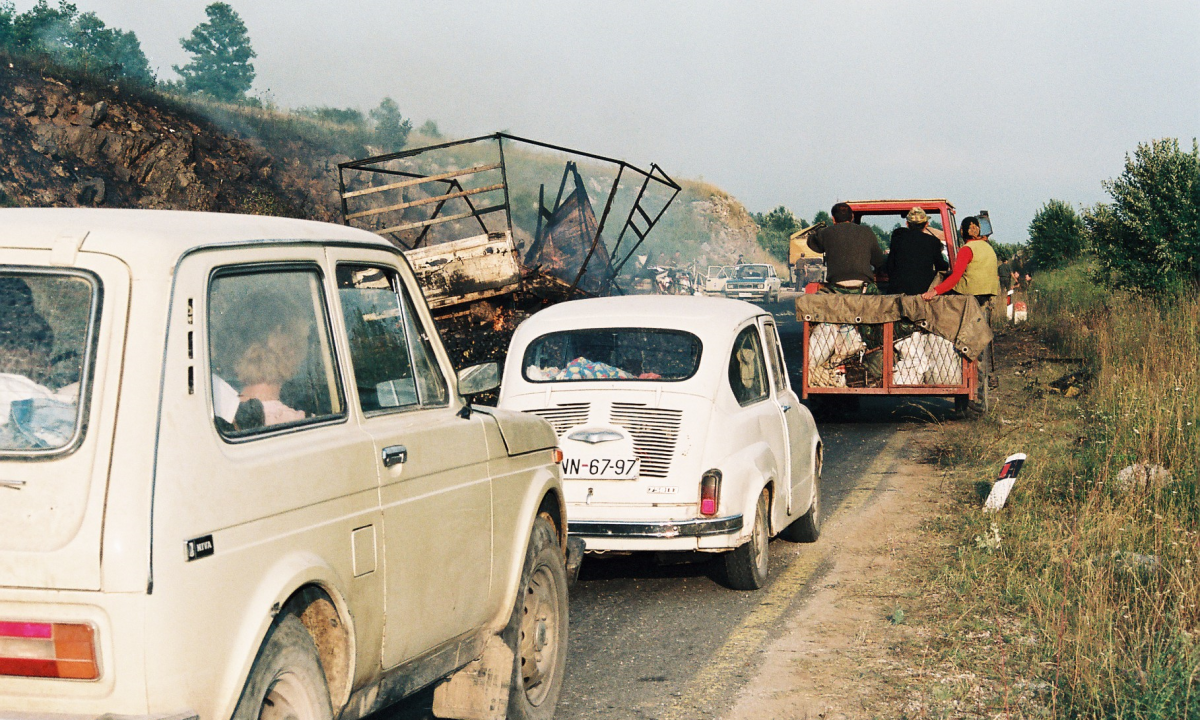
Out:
{"x": 751, "y": 272}
{"x": 612, "y": 354}
{"x": 45, "y": 321}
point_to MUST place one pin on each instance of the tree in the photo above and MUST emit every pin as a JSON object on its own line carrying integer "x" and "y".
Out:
{"x": 775, "y": 229}
{"x": 221, "y": 55}
{"x": 1055, "y": 235}
{"x": 107, "y": 52}
{"x": 822, "y": 216}
{"x": 7, "y": 14}
{"x": 41, "y": 28}
{"x": 391, "y": 128}
{"x": 1149, "y": 236}
{"x": 82, "y": 42}
{"x": 430, "y": 130}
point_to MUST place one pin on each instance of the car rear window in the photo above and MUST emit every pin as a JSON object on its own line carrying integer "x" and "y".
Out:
{"x": 612, "y": 354}
{"x": 46, "y": 325}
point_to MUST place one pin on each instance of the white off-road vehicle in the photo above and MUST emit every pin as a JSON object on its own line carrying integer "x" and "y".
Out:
{"x": 239, "y": 478}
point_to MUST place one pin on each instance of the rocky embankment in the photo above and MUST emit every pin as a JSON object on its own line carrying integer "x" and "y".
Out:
{"x": 65, "y": 143}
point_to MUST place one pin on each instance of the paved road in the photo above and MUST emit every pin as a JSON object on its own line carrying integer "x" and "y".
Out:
{"x": 669, "y": 641}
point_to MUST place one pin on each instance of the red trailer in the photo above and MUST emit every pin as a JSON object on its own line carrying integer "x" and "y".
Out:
{"x": 850, "y": 350}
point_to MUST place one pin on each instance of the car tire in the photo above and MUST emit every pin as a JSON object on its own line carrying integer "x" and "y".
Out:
{"x": 537, "y": 630}
{"x": 807, "y": 527}
{"x": 286, "y": 680}
{"x": 746, "y": 567}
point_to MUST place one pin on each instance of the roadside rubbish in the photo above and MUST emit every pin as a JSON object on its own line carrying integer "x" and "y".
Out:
{"x": 1016, "y": 310}
{"x": 1147, "y": 474}
{"x": 1133, "y": 561}
{"x": 1004, "y": 484}
{"x": 990, "y": 540}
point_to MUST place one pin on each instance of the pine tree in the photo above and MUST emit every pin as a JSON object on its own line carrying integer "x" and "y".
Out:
{"x": 221, "y": 54}
{"x": 391, "y": 128}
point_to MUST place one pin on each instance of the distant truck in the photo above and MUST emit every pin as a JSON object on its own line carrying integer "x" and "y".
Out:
{"x": 807, "y": 265}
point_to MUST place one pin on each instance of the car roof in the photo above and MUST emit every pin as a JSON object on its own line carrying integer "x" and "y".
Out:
{"x": 694, "y": 313}
{"x": 158, "y": 238}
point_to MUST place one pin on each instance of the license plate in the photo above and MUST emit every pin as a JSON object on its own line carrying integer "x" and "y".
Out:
{"x": 601, "y": 468}
{"x": 747, "y": 294}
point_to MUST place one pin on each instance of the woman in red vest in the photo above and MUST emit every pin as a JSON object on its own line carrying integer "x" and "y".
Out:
{"x": 975, "y": 272}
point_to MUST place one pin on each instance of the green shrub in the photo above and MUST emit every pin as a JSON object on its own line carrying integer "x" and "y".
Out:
{"x": 1055, "y": 235}
{"x": 78, "y": 41}
{"x": 775, "y": 230}
{"x": 1148, "y": 238}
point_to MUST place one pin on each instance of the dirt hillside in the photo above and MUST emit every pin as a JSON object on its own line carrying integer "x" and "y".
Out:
{"x": 68, "y": 142}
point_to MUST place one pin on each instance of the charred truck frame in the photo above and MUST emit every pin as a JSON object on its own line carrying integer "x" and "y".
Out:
{"x": 452, "y": 215}
{"x": 475, "y": 274}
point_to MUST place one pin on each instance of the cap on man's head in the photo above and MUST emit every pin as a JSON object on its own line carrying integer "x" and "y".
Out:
{"x": 917, "y": 216}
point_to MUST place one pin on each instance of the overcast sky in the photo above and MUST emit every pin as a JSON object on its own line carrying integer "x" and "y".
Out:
{"x": 998, "y": 105}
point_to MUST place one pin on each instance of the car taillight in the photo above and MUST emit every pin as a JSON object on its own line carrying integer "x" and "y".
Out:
{"x": 710, "y": 492}
{"x": 50, "y": 650}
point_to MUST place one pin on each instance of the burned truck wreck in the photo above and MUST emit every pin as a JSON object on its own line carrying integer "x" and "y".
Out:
{"x": 487, "y": 249}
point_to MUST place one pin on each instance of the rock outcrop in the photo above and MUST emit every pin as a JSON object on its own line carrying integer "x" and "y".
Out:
{"x": 66, "y": 145}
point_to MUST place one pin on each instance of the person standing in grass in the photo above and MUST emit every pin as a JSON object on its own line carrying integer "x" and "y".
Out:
{"x": 852, "y": 253}
{"x": 975, "y": 272}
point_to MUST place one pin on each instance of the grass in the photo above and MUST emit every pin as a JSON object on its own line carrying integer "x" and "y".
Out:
{"x": 1087, "y": 584}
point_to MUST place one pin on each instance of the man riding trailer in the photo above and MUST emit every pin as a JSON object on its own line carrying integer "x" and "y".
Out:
{"x": 860, "y": 344}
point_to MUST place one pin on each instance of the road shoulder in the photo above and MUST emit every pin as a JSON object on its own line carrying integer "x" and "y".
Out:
{"x": 838, "y": 654}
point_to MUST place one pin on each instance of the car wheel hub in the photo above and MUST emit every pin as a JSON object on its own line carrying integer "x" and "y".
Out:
{"x": 539, "y": 642}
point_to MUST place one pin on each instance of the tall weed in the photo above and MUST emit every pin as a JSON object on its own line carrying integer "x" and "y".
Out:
{"x": 1101, "y": 568}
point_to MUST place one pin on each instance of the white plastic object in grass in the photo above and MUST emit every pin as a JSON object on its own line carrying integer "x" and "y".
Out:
{"x": 1004, "y": 484}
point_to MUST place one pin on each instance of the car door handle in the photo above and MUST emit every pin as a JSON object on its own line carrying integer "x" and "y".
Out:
{"x": 785, "y": 406}
{"x": 394, "y": 455}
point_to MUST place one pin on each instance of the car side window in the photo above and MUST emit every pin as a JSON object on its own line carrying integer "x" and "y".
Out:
{"x": 777, "y": 367}
{"x": 271, "y": 359}
{"x": 747, "y": 373}
{"x": 394, "y": 365}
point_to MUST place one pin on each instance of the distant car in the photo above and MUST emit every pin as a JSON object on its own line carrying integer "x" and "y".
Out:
{"x": 756, "y": 281}
{"x": 678, "y": 426}
{"x": 239, "y": 478}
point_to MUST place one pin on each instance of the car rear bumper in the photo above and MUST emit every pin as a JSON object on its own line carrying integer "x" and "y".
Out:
{"x": 659, "y": 529}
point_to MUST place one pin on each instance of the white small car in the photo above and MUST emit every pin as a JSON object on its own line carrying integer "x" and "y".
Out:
{"x": 755, "y": 281}
{"x": 678, "y": 426}
{"x": 239, "y": 478}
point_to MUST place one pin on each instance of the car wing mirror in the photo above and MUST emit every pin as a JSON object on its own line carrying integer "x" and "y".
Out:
{"x": 985, "y": 224}
{"x": 478, "y": 378}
